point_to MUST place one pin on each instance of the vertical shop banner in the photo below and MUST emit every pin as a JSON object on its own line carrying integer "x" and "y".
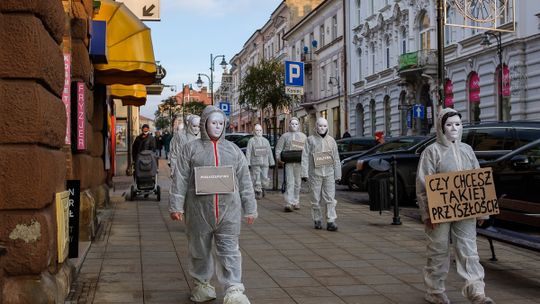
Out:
{"x": 474, "y": 88}
{"x": 448, "y": 94}
{"x": 506, "y": 81}
{"x": 81, "y": 117}
{"x": 66, "y": 96}
{"x": 74, "y": 189}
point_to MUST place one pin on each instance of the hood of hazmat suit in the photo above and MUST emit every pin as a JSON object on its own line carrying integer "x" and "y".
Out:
{"x": 442, "y": 156}
{"x": 206, "y": 212}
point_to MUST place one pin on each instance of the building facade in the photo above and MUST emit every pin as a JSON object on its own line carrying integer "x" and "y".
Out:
{"x": 318, "y": 41}
{"x": 393, "y": 66}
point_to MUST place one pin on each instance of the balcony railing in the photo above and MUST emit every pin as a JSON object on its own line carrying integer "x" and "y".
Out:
{"x": 418, "y": 59}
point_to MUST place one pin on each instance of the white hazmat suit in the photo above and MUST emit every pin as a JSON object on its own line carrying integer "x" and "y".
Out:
{"x": 190, "y": 132}
{"x": 449, "y": 154}
{"x": 259, "y": 157}
{"x": 292, "y": 140}
{"x": 322, "y": 176}
{"x": 213, "y": 221}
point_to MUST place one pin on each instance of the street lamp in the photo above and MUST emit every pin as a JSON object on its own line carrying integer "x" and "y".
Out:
{"x": 486, "y": 43}
{"x": 223, "y": 64}
{"x": 331, "y": 82}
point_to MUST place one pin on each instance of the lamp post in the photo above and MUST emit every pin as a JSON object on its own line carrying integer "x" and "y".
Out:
{"x": 486, "y": 43}
{"x": 200, "y": 83}
{"x": 338, "y": 84}
{"x": 223, "y": 64}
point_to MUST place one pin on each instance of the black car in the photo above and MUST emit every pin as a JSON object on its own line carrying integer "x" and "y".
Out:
{"x": 488, "y": 140}
{"x": 232, "y": 137}
{"x": 348, "y": 165}
{"x": 517, "y": 173}
{"x": 354, "y": 145}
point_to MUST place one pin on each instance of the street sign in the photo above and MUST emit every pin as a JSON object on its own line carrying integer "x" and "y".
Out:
{"x": 294, "y": 73}
{"x": 146, "y": 10}
{"x": 294, "y": 90}
{"x": 418, "y": 111}
{"x": 225, "y": 107}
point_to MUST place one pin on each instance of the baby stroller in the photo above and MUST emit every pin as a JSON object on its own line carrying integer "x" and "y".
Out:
{"x": 145, "y": 176}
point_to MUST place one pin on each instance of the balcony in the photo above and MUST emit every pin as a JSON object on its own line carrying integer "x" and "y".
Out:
{"x": 423, "y": 61}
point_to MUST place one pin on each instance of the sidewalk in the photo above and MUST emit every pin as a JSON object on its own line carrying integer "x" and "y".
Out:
{"x": 141, "y": 257}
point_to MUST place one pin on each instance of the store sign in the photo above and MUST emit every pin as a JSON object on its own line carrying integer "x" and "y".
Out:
{"x": 66, "y": 96}
{"x": 81, "y": 117}
{"x": 74, "y": 189}
{"x": 474, "y": 88}
{"x": 506, "y": 81}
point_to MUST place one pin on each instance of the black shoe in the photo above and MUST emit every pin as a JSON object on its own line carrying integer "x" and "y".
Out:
{"x": 331, "y": 226}
{"x": 263, "y": 192}
{"x": 146, "y": 195}
{"x": 288, "y": 209}
{"x": 317, "y": 224}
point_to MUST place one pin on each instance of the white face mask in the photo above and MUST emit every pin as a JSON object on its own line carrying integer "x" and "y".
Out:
{"x": 195, "y": 126}
{"x": 258, "y": 130}
{"x": 293, "y": 125}
{"x": 214, "y": 125}
{"x": 452, "y": 128}
{"x": 146, "y": 132}
{"x": 322, "y": 126}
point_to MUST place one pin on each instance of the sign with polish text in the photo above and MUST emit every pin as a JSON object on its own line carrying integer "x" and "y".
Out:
{"x": 460, "y": 195}
{"x": 81, "y": 117}
{"x": 214, "y": 180}
{"x": 323, "y": 158}
{"x": 66, "y": 96}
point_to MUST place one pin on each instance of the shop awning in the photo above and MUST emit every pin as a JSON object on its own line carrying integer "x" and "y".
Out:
{"x": 134, "y": 95}
{"x": 129, "y": 45}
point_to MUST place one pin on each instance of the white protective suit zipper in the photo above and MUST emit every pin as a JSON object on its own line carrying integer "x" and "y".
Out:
{"x": 216, "y": 161}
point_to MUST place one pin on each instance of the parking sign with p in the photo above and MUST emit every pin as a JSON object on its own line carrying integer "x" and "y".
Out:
{"x": 294, "y": 73}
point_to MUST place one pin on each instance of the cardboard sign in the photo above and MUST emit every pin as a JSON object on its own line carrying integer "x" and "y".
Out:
{"x": 214, "y": 180}
{"x": 297, "y": 145}
{"x": 323, "y": 158}
{"x": 459, "y": 195}
{"x": 261, "y": 151}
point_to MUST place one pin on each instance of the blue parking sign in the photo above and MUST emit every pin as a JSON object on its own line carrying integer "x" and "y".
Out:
{"x": 225, "y": 107}
{"x": 294, "y": 73}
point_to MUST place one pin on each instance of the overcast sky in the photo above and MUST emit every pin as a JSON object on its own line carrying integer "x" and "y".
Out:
{"x": 190, "y": 30}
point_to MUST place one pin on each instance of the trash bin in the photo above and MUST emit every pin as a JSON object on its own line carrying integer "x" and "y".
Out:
{"x": 379, "y": 192}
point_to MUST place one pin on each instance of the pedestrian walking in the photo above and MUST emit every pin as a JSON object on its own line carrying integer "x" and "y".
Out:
{"x": 159, "y": 143}
{"x": 291, "y": 141}
{"x": 145, "y": 141}
{"x": 167, "y": 143}
{"x": 189, "y": 133}
{"x": 259, "y": 157}
{"x": 321, "y": 169}
{"x": 213, "y": 220}
{"x": 449, "y": 154}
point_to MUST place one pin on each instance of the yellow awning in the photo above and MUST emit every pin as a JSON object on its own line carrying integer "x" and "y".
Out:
{"x": 129, "y": 45}
{"x": 134, "y": 95}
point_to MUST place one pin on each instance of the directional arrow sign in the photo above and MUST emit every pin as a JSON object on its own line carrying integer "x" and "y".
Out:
{"x": 147, "y": 10}
{"x": 418, "y": 111}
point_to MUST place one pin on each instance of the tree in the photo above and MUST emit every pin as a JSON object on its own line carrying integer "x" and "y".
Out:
{"x": 194, "y": 107}
{"x": 264, "y": 87}
{"x": 166, "y": 113}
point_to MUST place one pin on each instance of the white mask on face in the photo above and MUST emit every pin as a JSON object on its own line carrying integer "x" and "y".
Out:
{"x": 452, "y": 128}
{"x": 322, "y": 126}
{"x": 258, "y": 130}
{"x": 293, "y": 125}
{"x": 195, "y": 125}
{"x": 214, "y": 125}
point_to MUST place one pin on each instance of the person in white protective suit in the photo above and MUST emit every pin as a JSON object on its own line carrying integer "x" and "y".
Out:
{"x": 259, "y": 157}
{"x": 292, "y": 140}
{"x": 321, "y": 169}
{"x": 182, "y": 137}
{"x": 213, "y": 220}
{"x": 449, "y": 154}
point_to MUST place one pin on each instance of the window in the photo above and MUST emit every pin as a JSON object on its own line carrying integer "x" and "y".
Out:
{"x": 335, "y": 70}
{"x": 303, "y": 47}
{"x": 373, "y": 58}
{"x": 387, "y": 115}
{"x": 358, "y": 12}
{"x": 507, "y": 14}
{"x": 373, "y": 116}
{"x": 492, "y": 139}
{"x": 371, "y": 7}
{"x": 359, "y": 51}
{"x": 403, "y": 41}
{"x": 449, "y": 30}
{"x": 321, "y": 34}
{"x": 334, "y": 27}
{"x": 293, "y": 55}
{"x": 387, "y": 51}
{"x": 425, "y": 33}
{"x": 324, "y": 114}
{"x": 311, "y": 39}
{"x": 323, "y": 78}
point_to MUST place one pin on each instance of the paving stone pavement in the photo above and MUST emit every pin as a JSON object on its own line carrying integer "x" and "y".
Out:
{"x": 142, "y": 258}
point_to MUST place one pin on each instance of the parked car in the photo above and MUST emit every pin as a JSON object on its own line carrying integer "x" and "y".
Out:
{"x": 517, "y": 173}
{"x": 488, "y": 140}
{"x": 354, "y": 145}
{"x": 232, "y": 137}
{"x": 348, "y": 165}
